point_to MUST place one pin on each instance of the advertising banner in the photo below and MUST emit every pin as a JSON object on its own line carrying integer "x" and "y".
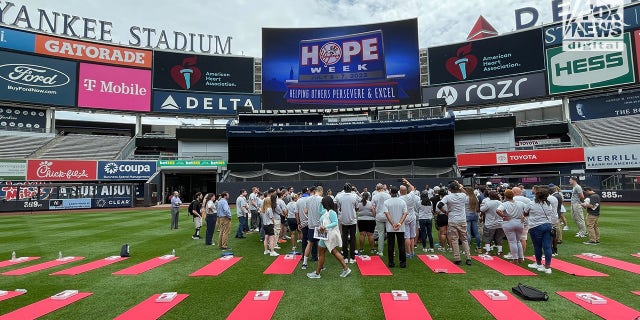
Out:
{"x": 202, "y": 103}
{"x": 24, "y": 205}
{"x": 17, "y": 40}
{"x": 61, "y": 170}
{"x": 114, "y": 88}
{"x": 23, "y": 118}
{"x": 192, "y": 163}
{"x": 605, "y": 106}
{"x": 494, "y": 57}
{"x": 21, "y": 190}
{"x": 553, "y": 33}
{"x": 68, "y": 204}
{"x": 103, "y": 191}
{"x": 566, "y": 155}
{"x": 570, "y": 71}
{"x": 126, "y": 170}
{"x": 26, "y": 78}
{"x": 612, "y": 157}
{"x": 13, "y": 169}
{"x": 226, "y": 74}
{"x": 93, "y": 52}
{"x": 373, "y": 64}
{"x": 536, "y": 142}
{"x": 112, "y": 203}
{"x": 522, "y": 87}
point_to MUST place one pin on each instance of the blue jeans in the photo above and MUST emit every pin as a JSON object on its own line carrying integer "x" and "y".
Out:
{"x": 242, "y": 224}
{"x": 426, "y": 227}
{"x": 472, "y": 229}
{"x": 211, "y": 226}
{"x": 541, "y": 239}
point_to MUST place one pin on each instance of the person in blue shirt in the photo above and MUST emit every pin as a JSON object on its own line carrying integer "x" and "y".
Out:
{"x": 329, "y": 226}
{"x": 224, "y": 220}
{"x": 175, "y": 209}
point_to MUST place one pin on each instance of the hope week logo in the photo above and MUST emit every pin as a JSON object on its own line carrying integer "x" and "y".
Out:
{"x": 463, "y": 64}
{"x": 187, "y": 73}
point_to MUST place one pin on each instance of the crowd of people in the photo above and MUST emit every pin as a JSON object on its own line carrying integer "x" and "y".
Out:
{"x": 313, "y": 222}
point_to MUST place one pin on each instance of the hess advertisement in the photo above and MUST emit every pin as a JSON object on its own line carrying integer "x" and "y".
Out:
{"x": 363, "y": 65}
{"x": 26, "y": 78}
{"x": 570, "y": 71}
{"x": 174, "y": 71}
{"x": 487, "y": 58}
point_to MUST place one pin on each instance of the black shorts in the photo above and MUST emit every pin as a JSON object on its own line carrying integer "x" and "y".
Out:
{"x": 366, "y": 225}
{"x": 268, "y": 229}
{"x": 310, "y": 234}
{"x": 442, "y": 220}
{"x": 293, "y": 224}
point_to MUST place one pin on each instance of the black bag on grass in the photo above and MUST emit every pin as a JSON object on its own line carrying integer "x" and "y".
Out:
{"x": 124, "y": 252}
{"x": 530, "y": 293}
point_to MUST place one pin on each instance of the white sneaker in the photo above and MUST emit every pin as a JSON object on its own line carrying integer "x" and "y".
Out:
{"x": 430, "y": 250}
{"x": 345, "y": 273}
{"x": 534, "y": 265}
{"x": 547, "y": 271}
{"x": 293, "y": 248}
{"x": 276, "y": 247}
{"x": 565, "y": 228}
{"x": 541, "y": 268}
{"x": 508, "y": 256}
{"x": 256, "y": 230}
{"x": 425, "y": 250}
{"x": 313, "y": 275}
{"x": 266, "y": 252}
{"x": 352, "y": 261}
{"x": 274, "y": 254}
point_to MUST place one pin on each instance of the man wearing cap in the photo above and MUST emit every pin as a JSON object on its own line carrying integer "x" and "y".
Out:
{"x": 592, "y": 203}
{"x": 576, "y": 207}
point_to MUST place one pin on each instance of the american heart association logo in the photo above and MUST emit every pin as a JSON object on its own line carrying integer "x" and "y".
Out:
{"x": 463, "y": 64}
{"x": 187, "y": 73}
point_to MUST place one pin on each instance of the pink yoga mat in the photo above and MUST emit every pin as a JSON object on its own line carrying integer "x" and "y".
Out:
{"x": 373, "y": 267}
{"x": 441, "y": 264}
{"x": 150, "y": 309}
{"x": 571, "y": 268}
{"x": 256, "y": 309}
{"x": 42, "y": 307}
{"x": 611, "y": 310}
{"x": 636, "y": 292}
{"x": 40, "y": 266}
{"x": 216, "y": 267}
{"x": 512, "y": 308}
{"x": 403, "y": 309}
{"x": 11, "y": 294}
{"x": 637, "y": 255}
{"x": 144, "y": 266}
{"x": 88, "y": 266}
{"x": 7, "y": 263}
{"x": 283, "y": 266}
{"x": 623, "y": 265}
{"x": 504, "y": 267}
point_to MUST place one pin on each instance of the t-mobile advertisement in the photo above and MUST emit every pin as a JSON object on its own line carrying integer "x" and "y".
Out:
{"x": 114, "y": 88}
{"x": 375, "y": 64}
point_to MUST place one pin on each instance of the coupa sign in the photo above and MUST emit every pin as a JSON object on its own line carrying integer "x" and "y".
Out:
{"x": 126, "y": 170}
{"x": 579, "y": 70}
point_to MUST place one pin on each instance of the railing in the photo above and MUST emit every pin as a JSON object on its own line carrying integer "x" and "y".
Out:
{"x": 577, "y": 137}
{"x": 612, "y": 183}
{"x": 127, "y": 151}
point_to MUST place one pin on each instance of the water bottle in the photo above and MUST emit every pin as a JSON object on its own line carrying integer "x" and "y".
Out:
{"x": 59, "y": 255}
{"x": 13, "y": 256}
{"x": 173, "y": 252}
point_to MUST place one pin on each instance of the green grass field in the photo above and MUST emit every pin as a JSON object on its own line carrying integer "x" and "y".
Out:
{"x": 96, "y": 235}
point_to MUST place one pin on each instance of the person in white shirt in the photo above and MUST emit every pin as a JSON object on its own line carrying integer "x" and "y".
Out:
{"x": 347, "y": 202}
{"x": 379, "y": 197}
{"x": 395, "y": 211}
{"x": 455, "y": 203}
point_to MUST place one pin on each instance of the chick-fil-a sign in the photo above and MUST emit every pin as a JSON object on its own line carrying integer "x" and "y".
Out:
{"x": 61, "y": 170}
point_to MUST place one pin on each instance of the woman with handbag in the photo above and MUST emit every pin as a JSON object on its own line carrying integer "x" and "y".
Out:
{"x": 541, "y": 217}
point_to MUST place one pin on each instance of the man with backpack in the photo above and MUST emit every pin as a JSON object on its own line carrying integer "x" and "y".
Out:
{"x": 194, "y": 210}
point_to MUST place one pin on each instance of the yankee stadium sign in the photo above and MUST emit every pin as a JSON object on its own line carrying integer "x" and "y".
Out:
{"x": 41, "y": 20}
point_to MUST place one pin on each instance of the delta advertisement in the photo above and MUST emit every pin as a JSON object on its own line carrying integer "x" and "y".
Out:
{"x": 126, "y": 170}
{"x": 605, "y": 106}
{"x": 92, "y": 52}
{"x": 27, "y": 78}
{"x": 502, "y": 56}
{"x": 202, "y": 103}
{"x": 23, "y": 118}
{"x": 376, "y": 64}
{"x": 570, "y": 71}
{"x": 114, "y": 88}
{"x": 521, "y": 87}
{"x": 218, "y": 74}
{"x": 17, "y": 40}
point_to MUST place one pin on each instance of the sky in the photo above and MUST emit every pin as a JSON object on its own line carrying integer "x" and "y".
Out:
{"x": 439, "y": 22}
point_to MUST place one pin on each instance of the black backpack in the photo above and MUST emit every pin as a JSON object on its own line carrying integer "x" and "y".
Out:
{"x": 192, "y": 207}
{"x": 124, "y": 251}
{"x": 530, "y": 293}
